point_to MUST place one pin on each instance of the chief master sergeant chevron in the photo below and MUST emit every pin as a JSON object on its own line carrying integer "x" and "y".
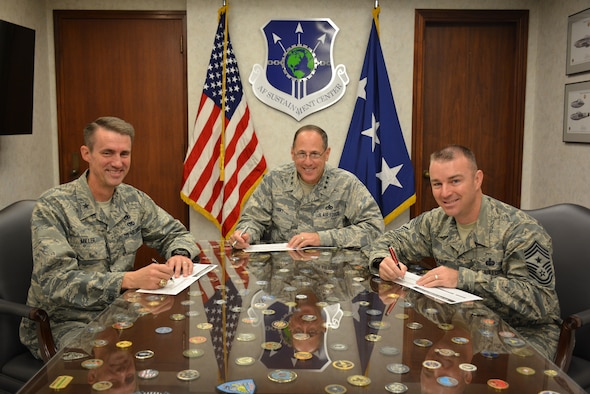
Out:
{"x": 86, "y": 234}
{"x": 480, "y": 245}
{"x": 309, "y": 203}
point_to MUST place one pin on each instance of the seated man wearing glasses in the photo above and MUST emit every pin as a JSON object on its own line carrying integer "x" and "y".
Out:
{"x": 310, "y": 203}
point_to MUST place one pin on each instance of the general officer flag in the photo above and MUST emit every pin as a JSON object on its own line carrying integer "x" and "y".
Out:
{"x": 224, "y": 162}
{"x": 375, "y": 150}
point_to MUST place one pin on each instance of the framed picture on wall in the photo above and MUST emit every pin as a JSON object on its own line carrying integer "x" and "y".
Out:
{"x": 576, "y": 115}
{"x": 578, "y": 43}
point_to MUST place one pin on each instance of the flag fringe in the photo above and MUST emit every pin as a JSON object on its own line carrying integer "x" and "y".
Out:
{"x": 402, "y": 207}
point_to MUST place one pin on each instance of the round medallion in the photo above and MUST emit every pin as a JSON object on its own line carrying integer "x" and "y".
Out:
{"x": 144, "y": 354}
{"x": 92, "y": 363}
{"x": 188, "y": 374}
{"x": 398, "y": 368}
{"x": 358, "y": 380}
{"x": 245, "y": 360}
{"x": 193, "y": 353}
{"x": 282, "y": 376}
{"x": 396, "y": 387}
{"x": 148, "y": 373}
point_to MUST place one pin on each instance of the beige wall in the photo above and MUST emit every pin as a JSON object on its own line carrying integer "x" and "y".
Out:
{"x": 552, "y": 171}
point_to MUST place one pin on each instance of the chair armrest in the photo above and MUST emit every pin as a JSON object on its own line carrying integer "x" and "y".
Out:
{"x": 567, "y": 338}
{"x": 40, "y": 317}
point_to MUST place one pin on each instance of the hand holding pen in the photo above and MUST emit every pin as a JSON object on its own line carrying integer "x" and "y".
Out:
{"x": 389, "y": 271}
{"x": 239, "y": 237}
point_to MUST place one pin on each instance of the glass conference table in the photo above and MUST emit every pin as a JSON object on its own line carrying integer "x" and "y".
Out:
{"x": 296, "y": 322}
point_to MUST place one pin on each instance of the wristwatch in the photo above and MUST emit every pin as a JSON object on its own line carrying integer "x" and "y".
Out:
{"x": 181, "y": 252}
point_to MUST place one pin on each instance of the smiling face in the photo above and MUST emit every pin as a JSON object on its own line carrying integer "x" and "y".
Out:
{"x": 307, "y": 144}
{"x": 108, "y": 161}
{"x": 456, "y": 187}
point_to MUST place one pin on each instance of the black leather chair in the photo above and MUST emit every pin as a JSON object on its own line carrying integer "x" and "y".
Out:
{"x": 569, "y": 227}
{"x": 17, "y": 365}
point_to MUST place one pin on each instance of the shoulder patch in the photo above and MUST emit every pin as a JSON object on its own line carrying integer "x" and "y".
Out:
{"x": 538, "y": 262}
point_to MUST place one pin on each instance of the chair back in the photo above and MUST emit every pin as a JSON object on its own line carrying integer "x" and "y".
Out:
{"x": 16, "y": 266}
{"x": 569, "y": 228}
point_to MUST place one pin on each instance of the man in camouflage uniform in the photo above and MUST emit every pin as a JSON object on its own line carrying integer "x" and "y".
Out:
{"x": 310, "y": 203}
{"x": 480, "y": 245}
{"x": 86, "y": 234}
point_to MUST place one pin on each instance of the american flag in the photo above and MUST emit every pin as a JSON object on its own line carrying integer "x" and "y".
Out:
{"x": 222, "y": 294}
{"x": 224, "y": 162}
{"x": 375, "y": 150}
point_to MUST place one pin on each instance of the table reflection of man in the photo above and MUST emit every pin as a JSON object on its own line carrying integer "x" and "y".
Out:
{"x": 118, "y": 365}
{"x": 307, "y": 325}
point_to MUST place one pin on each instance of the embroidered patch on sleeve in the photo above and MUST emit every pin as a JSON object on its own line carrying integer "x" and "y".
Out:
{"x": 538, "y": 262}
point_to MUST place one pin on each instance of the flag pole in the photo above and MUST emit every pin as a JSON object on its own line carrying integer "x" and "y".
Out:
{"x": 223, "y": 92}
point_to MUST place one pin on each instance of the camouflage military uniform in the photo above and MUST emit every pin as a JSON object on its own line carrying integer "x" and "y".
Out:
{"x": 339, "y": 208}
{"x": 80, "y": 255}
{"x": 506, "y": 260}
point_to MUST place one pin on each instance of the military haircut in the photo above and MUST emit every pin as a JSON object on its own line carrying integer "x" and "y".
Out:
{"x": 451, "y": 152}
{"x": 110, "y": 123}
{"x": 317, "y": 129}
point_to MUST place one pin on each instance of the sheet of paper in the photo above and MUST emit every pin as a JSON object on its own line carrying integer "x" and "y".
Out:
{"x": 280, "y": 247}
{"x": 182, "y": 282}
{"x": 445, "y": 294}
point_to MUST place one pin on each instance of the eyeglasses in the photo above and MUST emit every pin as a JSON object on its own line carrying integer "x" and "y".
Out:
{"x": 312, "y": 155}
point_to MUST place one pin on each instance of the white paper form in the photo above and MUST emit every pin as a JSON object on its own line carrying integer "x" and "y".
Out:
{"x": 445, "y": 294}
{"x": 173, "y": 287}
{"x": 280, "y": 247}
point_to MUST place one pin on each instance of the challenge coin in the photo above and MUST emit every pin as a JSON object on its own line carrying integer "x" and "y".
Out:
{"x": 122, "y": 325}
{"x": 516, "y": 342}
{"x": 301, "y": 336}
{"x": 71, "y": 356}
{"x": 303, "y": 355}
{"x": 279, "y": 324}
{"x": 197, "y": 339}
{"x": 100, "y": 343}
{"x": 396, "y": 387}
{"x": 124, "y": 344}
{"x": 489, "y": 354}
{"x": 271, "y": 345}
{"x": 389, "y": 351}
{"x": 373, "y": 337}
{"x": 335, "y": 389}
{"x": 402, "y": 316}
{"x": 525, "y": 371}
{"x": 414, "y": 325}
{"x": 177, "y": 316}
{"x": 459, "y": 340}
{"x": 205, "y": 326}
{"x": 144, "y": 354}
{"x": 245, "y": 360}
{"x": 282, "y": 376}
{"x": 431, "y": 364}
{"x": 446, "y": 352}
{"x": 447, "y": 381}
{"x": 246, "y": 337}
{"x": 61, "y": 382}
{"x": 92, "y": 363}
{"x": 102, "y": 385}
{"x": 193, "y": 353}
{"x": 446, "y": 326}
{"x": 398, "y": 368}
{"x": 339, "y": 346}
{"x": 358, "y": 380}
{"x": 379, "y": 325}
{"x": 498, "y": 384}
{"x": 343, "y": 365}
{"x": 550, "y": 372}
{"x": 467, "y": 367}
{"x": 188, "y": 374}
{"x": 164, "y": 330}
{"x": 422, "y": 342}
{"x": 148, "y": 373}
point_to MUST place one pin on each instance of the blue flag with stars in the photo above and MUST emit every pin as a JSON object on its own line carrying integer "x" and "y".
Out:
{"x": 375, "y": 150}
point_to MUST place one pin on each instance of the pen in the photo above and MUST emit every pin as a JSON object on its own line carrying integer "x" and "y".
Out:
{"x": 241, "y": 233}
{"x": 394, "y": 257}
{"x": 157, "y": 262}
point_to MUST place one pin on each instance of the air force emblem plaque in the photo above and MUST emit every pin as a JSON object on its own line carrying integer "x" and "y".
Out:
{"x": 299, "y": 77}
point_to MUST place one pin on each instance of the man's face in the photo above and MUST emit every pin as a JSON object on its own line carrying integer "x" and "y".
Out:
{"x": 456, "y": 187}
{"x": 108, "y": 161}
{"x": 310, "y": 143}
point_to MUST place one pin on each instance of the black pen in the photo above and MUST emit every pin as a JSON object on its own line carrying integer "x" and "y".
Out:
{"x": 157, "y": 262}
{"x": 394, "y": 257}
